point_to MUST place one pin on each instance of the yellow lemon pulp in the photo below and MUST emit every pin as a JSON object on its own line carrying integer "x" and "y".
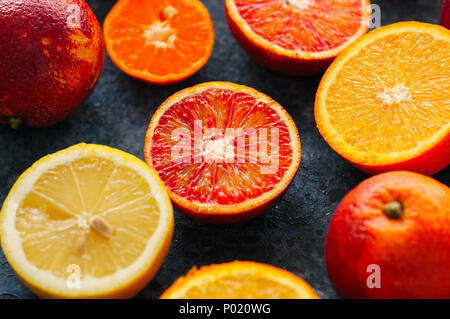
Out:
{"x": 92, "y": 223}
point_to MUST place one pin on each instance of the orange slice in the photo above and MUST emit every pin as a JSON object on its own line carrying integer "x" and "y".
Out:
{"x": 224, "y": 151}
{"x": 159, "y": 41}
{"x": 297, "y": 36}
{"x": 89, "y": 221}
{"x": 384, "y": 104}
{"x": 239, "y": 280}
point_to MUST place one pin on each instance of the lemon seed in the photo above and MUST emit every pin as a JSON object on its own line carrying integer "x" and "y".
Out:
{"x": 101, "y": 226}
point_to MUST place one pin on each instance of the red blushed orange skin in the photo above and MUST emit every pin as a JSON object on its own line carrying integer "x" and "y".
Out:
{"x": 413, "y": 252}
{"x": 51, "y": 56}
{"x": 277, "y": 62}
{"x": 430, "y": 162}
{"x": 228, "y": 218}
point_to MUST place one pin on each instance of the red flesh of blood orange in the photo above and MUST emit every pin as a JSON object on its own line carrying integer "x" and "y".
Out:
{"x": 217, "y": 181}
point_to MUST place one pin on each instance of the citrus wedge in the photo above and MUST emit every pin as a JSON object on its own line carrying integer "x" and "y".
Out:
{"x": 384, "y": 104}
{"x": 224, "y": 151}
{"x": 159, "y": 41}
{"x": 87, "y": 222}
{"x": 239, "y": 280}
{"x": 297, "y": 36}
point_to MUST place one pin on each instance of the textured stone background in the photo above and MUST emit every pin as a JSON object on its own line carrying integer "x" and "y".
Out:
{"x": 290, "y": 235}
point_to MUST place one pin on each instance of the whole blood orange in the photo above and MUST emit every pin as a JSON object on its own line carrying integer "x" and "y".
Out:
{"x": 390, "y": 238}
{"x": 384, "y": 103}
{"x": 160, "y": 42}
{"x": 224, "y": 151}
{"x": 297, "y": 36}
{"x": 51, "y": 55}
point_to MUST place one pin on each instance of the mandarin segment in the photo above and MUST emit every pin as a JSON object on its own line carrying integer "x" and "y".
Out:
{"x": 161, "y": 42}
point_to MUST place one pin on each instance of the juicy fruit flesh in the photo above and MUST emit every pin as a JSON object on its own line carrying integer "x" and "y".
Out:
{"x": 53, "y": 219}
{"x": 149, "y": 38}
{"x": 309, "y": 26}
{"x": 242, "y": 286}
{"x": 393, "y": 94}
{"x": 212, "y": 175}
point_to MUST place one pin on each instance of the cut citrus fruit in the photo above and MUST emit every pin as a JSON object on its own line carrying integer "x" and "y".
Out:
{"x": 87, "y": 222}
{"x": 384, "y": 104}
{"x": 224, "y": 151}
{"x": 239, "y": 280}
{"x": 159, "y": 41}
{"x": 297, "y": 36}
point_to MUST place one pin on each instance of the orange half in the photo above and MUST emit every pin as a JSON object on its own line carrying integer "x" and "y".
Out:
{"x": 239, "y": 280}
{"x": 384, "y": 104}
{"x": 297, "y": 36}
{"x": 159, "y": 41}
{"x": 224, "y": 151}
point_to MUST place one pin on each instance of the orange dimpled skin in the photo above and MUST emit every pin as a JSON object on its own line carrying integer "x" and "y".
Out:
{"x": 298, "y": 37}
{"x": 159, "y": 41}
{"x": 395, "y": 227}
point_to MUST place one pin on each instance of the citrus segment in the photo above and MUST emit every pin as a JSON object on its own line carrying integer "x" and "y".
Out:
{"x": 161, "y": 42}
{"x": 385, "y": 103}
{"x": 239, "y": 280}
{"x": 297, "y": 36}
{"x": 242, "y": 149}
{"x": 90, "y": 209}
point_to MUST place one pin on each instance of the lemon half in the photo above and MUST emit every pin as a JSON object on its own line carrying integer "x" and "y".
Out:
{"x": 89, "y": 221}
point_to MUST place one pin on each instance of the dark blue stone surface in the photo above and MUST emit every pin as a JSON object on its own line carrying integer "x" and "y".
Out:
{"x": 291, "y": 235}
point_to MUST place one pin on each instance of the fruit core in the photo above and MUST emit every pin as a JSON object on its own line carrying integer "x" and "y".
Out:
{"x": 217, "y": 148}
{"x": 395, "y": 95}
{"x": 160, "y": 34}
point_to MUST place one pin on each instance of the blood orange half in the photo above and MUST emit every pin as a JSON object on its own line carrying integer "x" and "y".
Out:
{"x": 224, "y": 151}
{"x": 297, "y": 36}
